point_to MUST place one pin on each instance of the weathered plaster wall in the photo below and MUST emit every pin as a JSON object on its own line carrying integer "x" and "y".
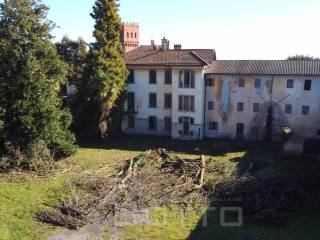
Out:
{"x": 226, "y": 94}
{"x": 199, "y": 102}
{"x": 302, "y": 125}
{"x": 142, "y": 88}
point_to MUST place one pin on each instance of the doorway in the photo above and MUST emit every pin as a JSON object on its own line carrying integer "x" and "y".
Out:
{"x": 186, "y": 128}
{"x": 240, "y": 131}
{"x": 186, "y": 123}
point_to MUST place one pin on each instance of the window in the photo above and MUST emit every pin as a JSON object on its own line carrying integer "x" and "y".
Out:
{"x": 168, "y": 77}
{"x": 240, "y": 107}
{"x": 241, "y": 82}
{"x": 210, "y": 105}
{"x": 290, "y": 83}
{"x": 256, "y": 107}
{"x": 127, "y": 34}
{"x": 210, "y": 82}
{"x": 131, "y": 102}
{"x": 186, "y": 119}
{"x": 305, "y": 110}
{"x": 131, "y": 121}
{"x": 153, "y": 77}
{"x": 186, "y": 103}
{"x": 213, "y": 125}
{"x": 307, "y": 85}
{"x": 186, "y": 79}
{"x": 288, "y": 108}
{"x": 153, "y": 123}
{"x": 152, "y": 100}
{"x": 167, "y": 101}
{"x": 135, "y": 35}
{"x": 257, "y": 83}
{"x": 131, "y": 35}
{"x": 131, "y": 76}
{"x": 167, "y": 124}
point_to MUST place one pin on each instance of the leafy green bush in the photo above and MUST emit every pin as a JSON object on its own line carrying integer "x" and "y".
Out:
{"x": 31, "y": 77}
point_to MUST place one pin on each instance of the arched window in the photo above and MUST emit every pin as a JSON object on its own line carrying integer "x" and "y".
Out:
{"x": 131, "y": 35}
{"x": 127, "y": 34}
{"x": 135, "y": 35}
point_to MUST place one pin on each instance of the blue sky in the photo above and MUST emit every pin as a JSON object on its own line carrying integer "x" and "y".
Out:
{"x": 236, "y": 29}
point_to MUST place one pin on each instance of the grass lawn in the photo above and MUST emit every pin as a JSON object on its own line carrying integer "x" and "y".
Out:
{"x": 22, "y": 198}
{"x": 23, "y": 195}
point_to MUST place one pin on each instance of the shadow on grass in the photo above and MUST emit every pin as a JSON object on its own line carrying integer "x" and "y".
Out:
{"x": 300, "y": 223}
{"x": 205, "y": 146}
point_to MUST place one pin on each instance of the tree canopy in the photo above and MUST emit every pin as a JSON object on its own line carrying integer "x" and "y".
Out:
{"x": 74, "y": 54}
{"x": 30, "y": 80}
{"x": 301, "y": 57}
{"x": 106, "y": 72}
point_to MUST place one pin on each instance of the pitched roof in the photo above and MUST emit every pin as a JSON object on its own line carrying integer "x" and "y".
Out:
{"x": 147, "y": 55}
{"x": 265, "y": 67}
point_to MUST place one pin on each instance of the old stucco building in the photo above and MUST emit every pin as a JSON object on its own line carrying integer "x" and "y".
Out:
{"x": 165, "y": 90}
{"x": 188, "y": 94}
{"x": 244, "y": 93}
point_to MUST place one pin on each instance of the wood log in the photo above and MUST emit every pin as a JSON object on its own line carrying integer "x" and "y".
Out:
{"x": 203, "y": 168}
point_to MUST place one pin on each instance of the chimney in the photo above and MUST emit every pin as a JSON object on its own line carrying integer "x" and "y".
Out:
{"x": 153, "y": 45}
{"x": 165, "y": 44}
{"x": 177, "y": 47}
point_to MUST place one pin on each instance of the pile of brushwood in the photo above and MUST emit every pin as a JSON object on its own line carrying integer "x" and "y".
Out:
{"x": 154, "y": 178}
{"x": 158, "y": 178}
{"x": 263, "y": 200}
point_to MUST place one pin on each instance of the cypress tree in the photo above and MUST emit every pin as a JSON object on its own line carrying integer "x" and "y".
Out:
{"x": 106, "y": 73}
{"x": 30, "y": 79}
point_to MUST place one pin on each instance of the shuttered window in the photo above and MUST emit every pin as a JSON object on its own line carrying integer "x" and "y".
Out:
{"x": 186, "y": 103}
{"x": 152, "y": 100}
{"x": 153, "y": 77}
{"x": 167, "y": 101}
{"x": 187, "y": 79}
{"x": 168, "y": 77}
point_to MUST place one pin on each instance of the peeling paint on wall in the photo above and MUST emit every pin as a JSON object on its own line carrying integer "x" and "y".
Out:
{"x": 223, "y": 97}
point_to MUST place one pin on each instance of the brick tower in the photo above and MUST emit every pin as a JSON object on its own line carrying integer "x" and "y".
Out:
{"x": 130, "y": 36}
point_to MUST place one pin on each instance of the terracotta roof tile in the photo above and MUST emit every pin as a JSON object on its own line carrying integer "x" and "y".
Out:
{"x": 265, "y": 67}
{"x": 146, "y": 55}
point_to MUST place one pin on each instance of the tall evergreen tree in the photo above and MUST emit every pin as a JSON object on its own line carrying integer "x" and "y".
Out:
{"x": 74, "y": 54}
{"x": 30, "y": 79}
{"x": 107, "y": 71}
